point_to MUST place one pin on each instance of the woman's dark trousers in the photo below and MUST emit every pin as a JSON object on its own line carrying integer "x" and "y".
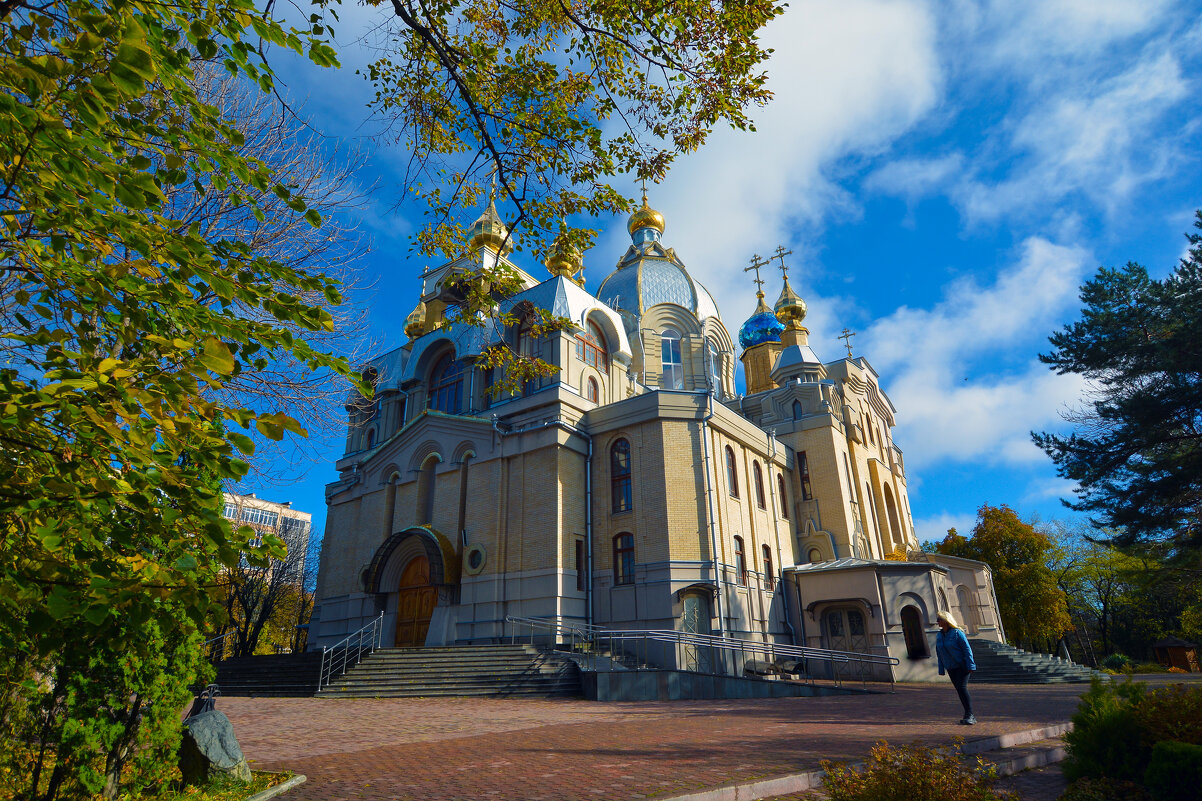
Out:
{"x": 959, "y": 677}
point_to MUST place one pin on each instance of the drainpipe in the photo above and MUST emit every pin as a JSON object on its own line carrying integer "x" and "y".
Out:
{"x": 709, "y": 494}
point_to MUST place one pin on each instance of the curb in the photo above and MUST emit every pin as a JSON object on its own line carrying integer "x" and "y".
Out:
{"x": 812, "y": 779}
{"x": 282, "y": 787}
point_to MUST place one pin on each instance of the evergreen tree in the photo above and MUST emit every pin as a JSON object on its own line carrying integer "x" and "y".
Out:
{"x": 1136, "y": 454}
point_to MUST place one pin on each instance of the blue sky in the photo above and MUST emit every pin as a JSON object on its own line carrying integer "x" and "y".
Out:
{"x": 946, "y": 173}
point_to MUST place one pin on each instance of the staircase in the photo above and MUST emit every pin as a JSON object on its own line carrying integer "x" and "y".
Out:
{"x": 478, "y": 670}
{"x": 282, "y": 675}
{"x": 998, "y": 663}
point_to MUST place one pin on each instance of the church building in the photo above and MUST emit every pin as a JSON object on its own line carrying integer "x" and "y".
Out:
{"x": 634, "y": 488}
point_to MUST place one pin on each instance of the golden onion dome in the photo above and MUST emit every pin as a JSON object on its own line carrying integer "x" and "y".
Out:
{"x": 415, "y": 323}
{"x": 645, "y": 217}
{"x": 563, "y": 258}
{"x": 489, "y": 231}
{"x": 790, "y": 309}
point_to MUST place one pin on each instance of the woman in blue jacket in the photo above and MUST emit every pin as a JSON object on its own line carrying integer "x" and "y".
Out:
{"x": 955, "y": 657}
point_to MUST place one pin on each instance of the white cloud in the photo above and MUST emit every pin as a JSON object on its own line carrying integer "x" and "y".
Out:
{"x": 915, "y": 178}
{"x": 934, "y": 528}
{"x": 963, "y": 373}
{"x": 848, "y": 77}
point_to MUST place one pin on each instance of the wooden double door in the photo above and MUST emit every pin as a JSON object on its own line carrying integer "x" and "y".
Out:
{"x": 416, "y": 599}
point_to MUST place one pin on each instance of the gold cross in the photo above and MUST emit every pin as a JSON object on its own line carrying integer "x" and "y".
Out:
{"x": 756, "y": 264}
{"x": 780, "y": 254}
{"x": 846, "y": 337}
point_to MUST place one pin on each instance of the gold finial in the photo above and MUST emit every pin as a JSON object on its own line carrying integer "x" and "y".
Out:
{"x": 415, "y": 323}
{"x": 563, "y": 258}
{"x": 488, "y": 229}
{"x": 846, "y": 337}
{"x": 645, "y": 217}
{"x": 790, "y": 308}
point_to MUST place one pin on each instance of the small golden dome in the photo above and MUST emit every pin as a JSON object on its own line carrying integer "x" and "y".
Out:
{"x": 489, "y": 231}
{"x": 646, "y": 217}
{"x": 563, "y": 258}
{"x": 415, "y": 323}
{"x": 790, "y": 309}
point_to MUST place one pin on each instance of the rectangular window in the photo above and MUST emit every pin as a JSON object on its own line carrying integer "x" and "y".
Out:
{"x": 624, "y": 559}
{"x": 803, "y": 467}
{"x": 580, "y": 566}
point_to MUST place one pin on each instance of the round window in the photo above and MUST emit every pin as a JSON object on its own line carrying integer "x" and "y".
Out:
{"x": 473, "y": 559}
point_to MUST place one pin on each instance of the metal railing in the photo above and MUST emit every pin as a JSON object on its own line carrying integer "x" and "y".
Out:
{"x": 633, "y": 649}
{"x": 214, "y": 647}
{"x": 347, "y": 652}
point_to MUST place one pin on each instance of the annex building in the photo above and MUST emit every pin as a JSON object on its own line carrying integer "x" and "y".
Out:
{"x": 634, "y": 488}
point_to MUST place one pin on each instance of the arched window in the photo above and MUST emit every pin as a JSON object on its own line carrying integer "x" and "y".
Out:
{"x": 446, "y": 385}
{"x": 784, "y": 500}
{"x": 803, "y": 467}
{"x": 740, "y": 561}
{"x": 590, "y": 347}
{"x": 916, "y": 641}
{"x": 425, "y": 490}
{"x": 594, "y": 392}
{"x": 624, "y": 559}
{"x": 797, "y": 411}
{"x": 672, "y": 374}
{"x": 619, "y": 470}
{"x": 732, "y": 477}
{"x": 371, "y": 437}
{"x": 815, "y": 556}
{"x": 759, "y": 485}
{"x": 769, "y": 575}
{"x": 715, "y": 359}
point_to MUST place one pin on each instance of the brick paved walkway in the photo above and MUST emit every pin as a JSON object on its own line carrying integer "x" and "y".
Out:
{"x": 466, "y": 748}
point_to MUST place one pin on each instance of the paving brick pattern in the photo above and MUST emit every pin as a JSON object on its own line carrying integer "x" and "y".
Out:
{"x": 470, "y": 748}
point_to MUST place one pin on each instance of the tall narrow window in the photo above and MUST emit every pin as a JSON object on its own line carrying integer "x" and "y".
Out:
{"x": 916, "y": 641}
{"x": 581, "y": 567}
{"x": 446, "y": 385}
{"x": 740, "y": 561}
{"x": 732, "y": 477}
{"x": 425, "y": 490}
{"x": 672, "y": 374}
{"x": 715, "y": 359}
{"x": 594, "y": 392}
{"x": 590, "y": 347}
{"x": 619, "y": 469}
{"x": 624, "y": 559}
{"x": 803, "y": 467}
{"x": 797, "y": 411}
{"x": 759, "y": 485}
{"x": 769, "y": 575}
{"x": 784, "y": 500}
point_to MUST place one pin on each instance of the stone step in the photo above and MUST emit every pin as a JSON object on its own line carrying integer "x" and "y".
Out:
{"x": 499, "y": 670}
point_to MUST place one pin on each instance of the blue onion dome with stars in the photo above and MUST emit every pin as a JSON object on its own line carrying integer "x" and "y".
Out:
{"x": 762, "y": 326}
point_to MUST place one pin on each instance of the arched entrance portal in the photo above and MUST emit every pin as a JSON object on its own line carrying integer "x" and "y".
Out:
{"x": 416, "y": 599}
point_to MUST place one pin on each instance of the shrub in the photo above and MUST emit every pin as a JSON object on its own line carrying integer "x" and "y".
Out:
{"x": 1171, "y": 713}
{"x": 1104, "y": 790}
{"x": 1147, "y": 667}
{"x": 1174, "y": 771}
{"x": 912, "y": 773}
{"x": 1115, "y": 662}
{"x": 1106, "y": 740}
{"x": 1176, "y": 669}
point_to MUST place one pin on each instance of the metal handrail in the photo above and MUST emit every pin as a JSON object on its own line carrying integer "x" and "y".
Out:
{"x": 593, "y": 639}
{"x": 336, "y": 659}
{"x": 210, "y": 645}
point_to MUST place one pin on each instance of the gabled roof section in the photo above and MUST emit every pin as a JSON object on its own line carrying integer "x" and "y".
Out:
{"x": 565, "y": 298}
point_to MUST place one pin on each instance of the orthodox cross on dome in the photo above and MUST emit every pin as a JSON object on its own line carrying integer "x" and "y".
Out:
{"x": 780, "y": 254}
{"x": 846, "y": 337}
{"x": 756, "y": 264}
